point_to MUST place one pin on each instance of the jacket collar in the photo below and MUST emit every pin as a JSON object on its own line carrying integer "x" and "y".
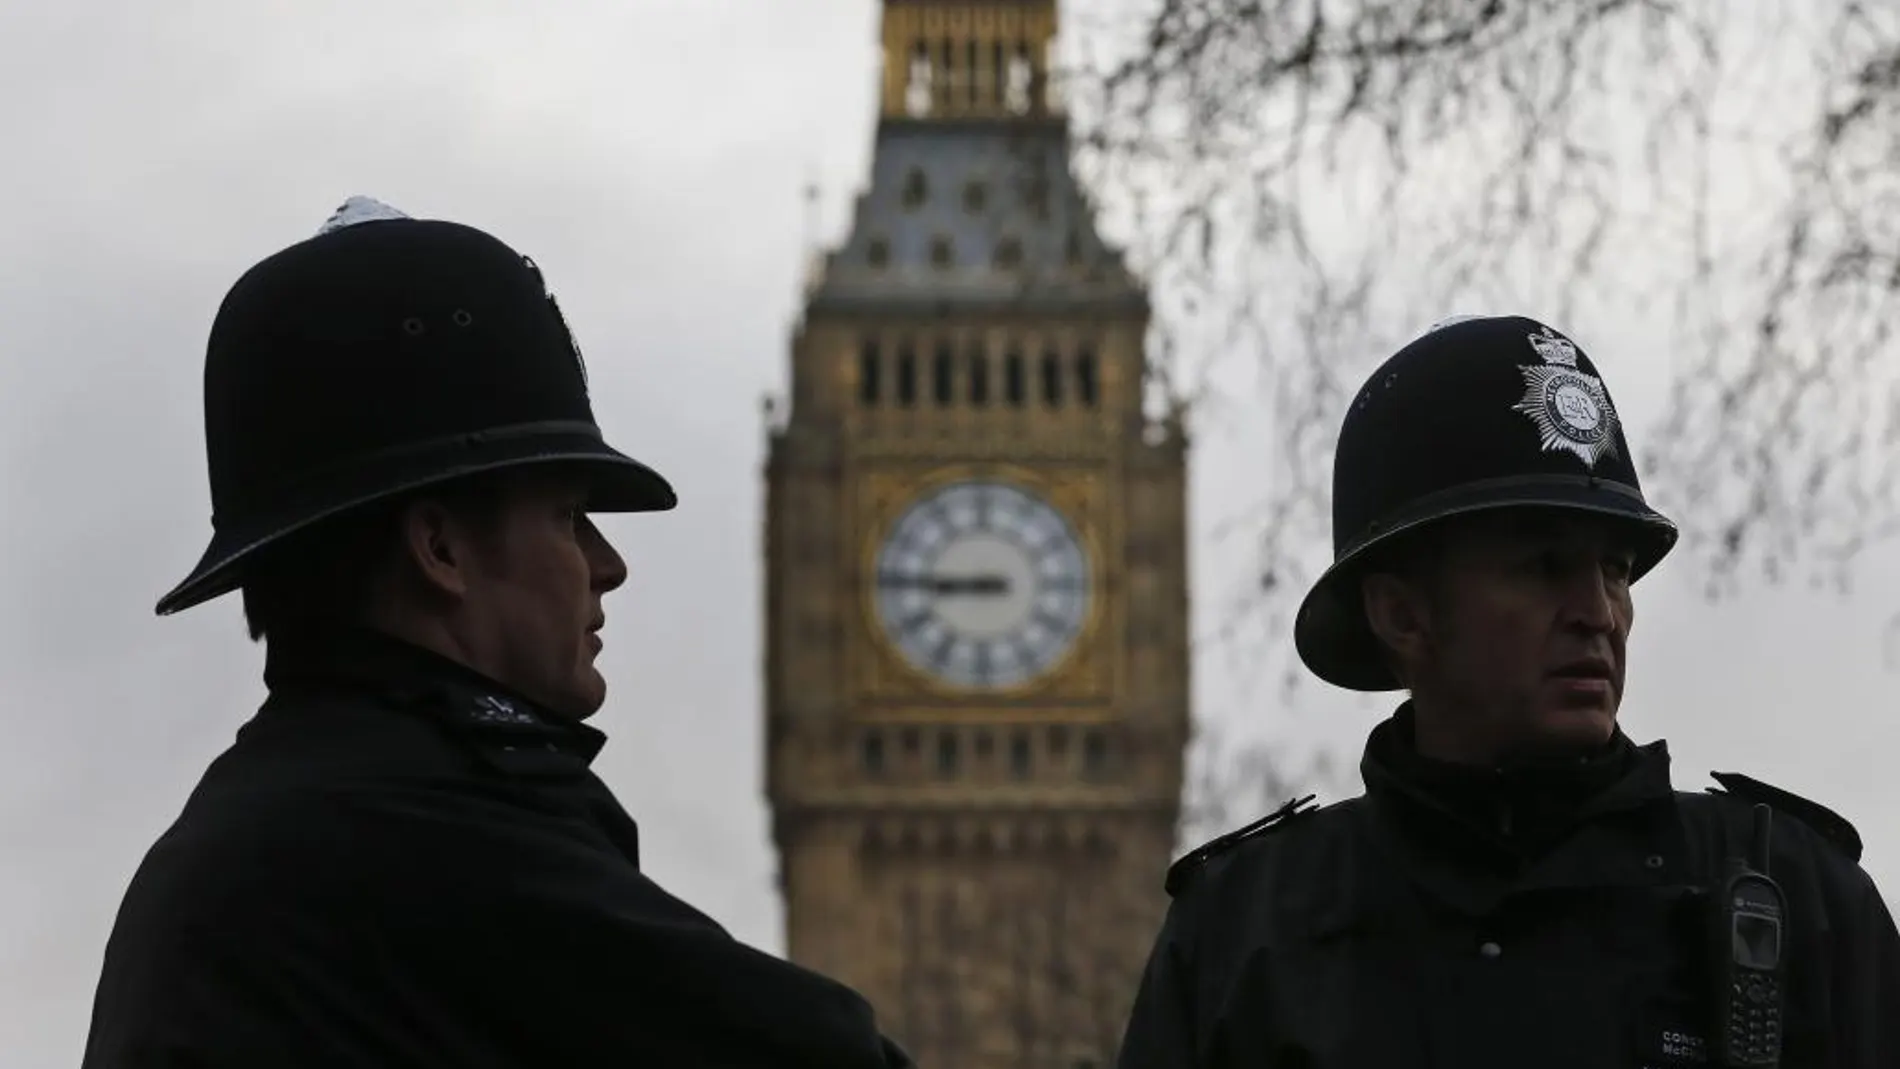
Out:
{"x": 1521, "y": 808}
{"x": 388, "y": 670}
{"x": 1473, "y": 837}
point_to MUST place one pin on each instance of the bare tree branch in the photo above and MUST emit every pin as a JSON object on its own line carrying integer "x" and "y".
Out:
{"x": 1231, "y": 781}
{"x": 1310, "y": 182}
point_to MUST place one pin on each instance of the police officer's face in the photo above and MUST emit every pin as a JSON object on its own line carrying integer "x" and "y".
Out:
{"x": 1516, "y": 631}
{"x": 529, "y": 611}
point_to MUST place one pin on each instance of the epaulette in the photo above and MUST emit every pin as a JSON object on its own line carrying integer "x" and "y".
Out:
{"x": 1828, "y": 824}
{"x": 1183, "y": 870}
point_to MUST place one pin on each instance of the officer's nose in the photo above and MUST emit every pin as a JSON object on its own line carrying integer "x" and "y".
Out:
{"x": 1591, "y": 599}
{"x": 608, "y": 569}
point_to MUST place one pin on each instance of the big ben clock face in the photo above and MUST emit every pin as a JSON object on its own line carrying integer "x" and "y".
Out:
{"x": 982, "y": 585}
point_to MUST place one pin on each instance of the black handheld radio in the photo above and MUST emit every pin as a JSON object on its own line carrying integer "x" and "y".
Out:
{"x": 1748, "y": 939}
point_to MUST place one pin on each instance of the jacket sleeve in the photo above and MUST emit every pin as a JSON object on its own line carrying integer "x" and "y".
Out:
{"x": 643, "y": 977}
{"x": 565, "y": 956}
{"x": 1161, "y": 1029}
{"x": 431, "y": 928}
{"x": 1866, "y": 978}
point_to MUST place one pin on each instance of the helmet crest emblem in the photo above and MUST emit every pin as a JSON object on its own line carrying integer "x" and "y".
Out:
{"x": 1569, "y": 408}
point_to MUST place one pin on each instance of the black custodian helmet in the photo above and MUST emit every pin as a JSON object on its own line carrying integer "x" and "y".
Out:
{"x": 384, "y": 355}
{"x": 1479, "y": 413}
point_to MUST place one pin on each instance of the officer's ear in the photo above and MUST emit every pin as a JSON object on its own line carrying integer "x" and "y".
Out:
{"x": 1399, "y": 613}
{"x": 434, "y": 546}
{"x": 443, "y": 536}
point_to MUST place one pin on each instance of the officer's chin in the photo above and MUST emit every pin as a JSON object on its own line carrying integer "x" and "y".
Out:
{"x": 581, "y": 698}
{"x": 1579, "y": 712}
{"x": 591, "y": 695}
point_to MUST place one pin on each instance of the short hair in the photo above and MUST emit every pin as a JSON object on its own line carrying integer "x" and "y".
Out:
{"x": 321, "y": 579}
{"x": 1411, "y": 556}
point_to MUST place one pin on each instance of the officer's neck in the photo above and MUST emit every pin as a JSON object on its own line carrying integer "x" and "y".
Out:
{"x": 1445, "y": 733}
{"x": 360, "y": 654}
{"x": 1518, "y": 802}
{"x": 434, "y": 632}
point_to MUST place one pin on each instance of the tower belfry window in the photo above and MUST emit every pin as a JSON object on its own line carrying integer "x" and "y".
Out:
{"x": 943, "y": 376}
{"x": 971, "y": 86}
{"x": 1013, "y": 379}
{"x": 999, "y": 65}
{"x": 1018, "y": 82}
{"x": 979, "y": 376}
{"x": 1085, "y": 376}
{"x": 1051, "y": 379}
{"x": 947, "y": 753}
{"x": 948, "y": 84}
{"x": 917, "y": 90}
{"x": 870, "y": 373}
{"x": 1046, "y": 80}
{"x": 906, "y": 376}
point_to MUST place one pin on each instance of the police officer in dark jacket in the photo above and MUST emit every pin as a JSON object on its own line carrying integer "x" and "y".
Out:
{"x": 1520, "y": 885}
{"x": 404, "y": 859}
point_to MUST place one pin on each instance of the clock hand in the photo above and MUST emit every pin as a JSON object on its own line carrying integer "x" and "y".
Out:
{"x": 976, "y": 584}
{"x": 945, "y": 583}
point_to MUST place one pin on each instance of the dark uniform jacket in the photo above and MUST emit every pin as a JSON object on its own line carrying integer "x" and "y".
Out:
{"x": 398, "y": 864}
{"x": 1462, "y": 919}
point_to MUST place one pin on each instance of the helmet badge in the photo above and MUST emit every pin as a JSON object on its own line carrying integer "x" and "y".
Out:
{"x": 573, "y": 344}
{"x": 1570, "y": 409}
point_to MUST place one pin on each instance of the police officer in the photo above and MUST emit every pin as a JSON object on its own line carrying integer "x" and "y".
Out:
{"x": 1520, "y": 884}
{"x": 404, "y": 859}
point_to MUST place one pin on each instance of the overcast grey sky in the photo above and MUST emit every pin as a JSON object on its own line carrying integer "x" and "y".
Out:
{"x": 650, "y": 155}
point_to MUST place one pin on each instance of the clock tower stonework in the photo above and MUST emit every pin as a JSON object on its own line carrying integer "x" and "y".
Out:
{"x": 976, "y": 696}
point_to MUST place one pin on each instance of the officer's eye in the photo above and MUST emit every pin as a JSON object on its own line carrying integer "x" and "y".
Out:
{"x": 1555, "y": 564}
{"x": 1619, "y": 566}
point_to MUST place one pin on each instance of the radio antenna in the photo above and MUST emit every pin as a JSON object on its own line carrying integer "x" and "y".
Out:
{"x": 1758, "y": 857}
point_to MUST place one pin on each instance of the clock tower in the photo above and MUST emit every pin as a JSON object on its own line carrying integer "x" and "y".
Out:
{"x": 976, "y": 659}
